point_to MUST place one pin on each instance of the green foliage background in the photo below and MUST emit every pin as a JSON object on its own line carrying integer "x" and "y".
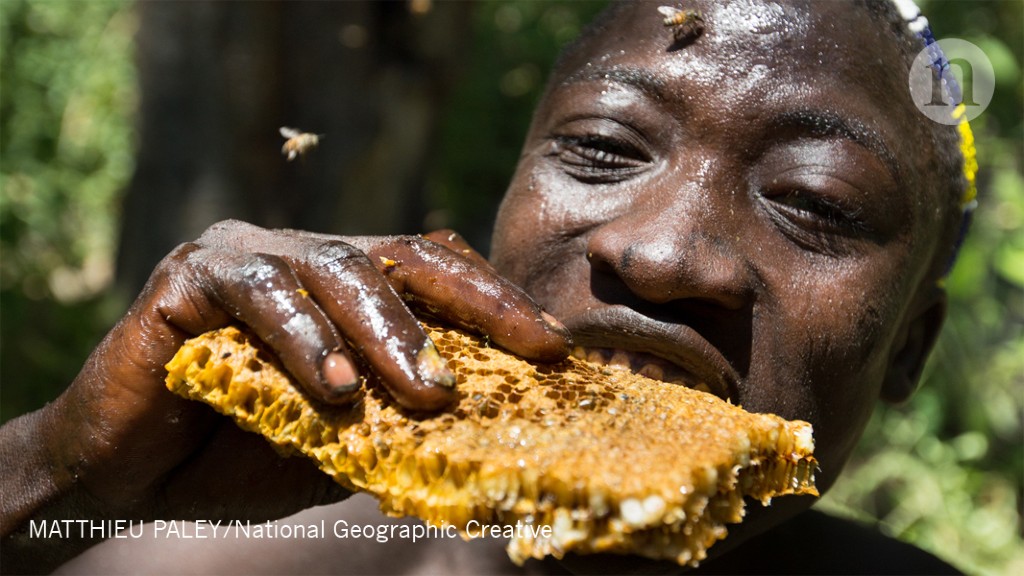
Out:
{"x": 945, "y": 471}
{"x": 67, "y": 102}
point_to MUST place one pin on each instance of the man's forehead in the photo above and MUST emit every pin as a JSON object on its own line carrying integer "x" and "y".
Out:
{"x": 770, "y": 60}
{"x": 785, "y": 34}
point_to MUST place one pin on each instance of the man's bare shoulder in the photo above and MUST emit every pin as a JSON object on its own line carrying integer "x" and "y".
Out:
{"x": 817, "y": 543}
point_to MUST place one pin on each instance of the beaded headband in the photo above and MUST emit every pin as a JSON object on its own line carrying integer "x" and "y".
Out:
{"x": 918, "y": 24}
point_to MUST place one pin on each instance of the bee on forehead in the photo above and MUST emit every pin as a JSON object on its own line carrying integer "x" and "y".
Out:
{"x": 298, "y": 143}
{"x": 685, "y": 24}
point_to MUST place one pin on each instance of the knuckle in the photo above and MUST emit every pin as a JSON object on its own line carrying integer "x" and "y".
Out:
{"x": 216, "y": 233}
{"x": 181, "y": 251}
{"x": 419, "y": 242}
{"x": 175, "y": 283}
{"x": 258, "y": 268}
{"x": 424, "y": 247}
{"x": 334, "y": 254}
{"x": 176, "y": 259}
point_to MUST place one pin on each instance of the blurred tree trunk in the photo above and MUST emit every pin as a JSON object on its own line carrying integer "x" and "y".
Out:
{"x": 217, "y": 81}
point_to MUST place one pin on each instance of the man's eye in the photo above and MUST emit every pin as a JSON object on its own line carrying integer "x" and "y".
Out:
{"x": 812, "y": 218}
{"x": 595, "y": 159}
{"x": 805, "y": 205}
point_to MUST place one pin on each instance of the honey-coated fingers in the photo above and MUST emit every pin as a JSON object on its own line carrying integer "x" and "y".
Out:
{"x": 442, "y": 279}
{"x": 261, "y": 291}
{"x": 359, "y": 302}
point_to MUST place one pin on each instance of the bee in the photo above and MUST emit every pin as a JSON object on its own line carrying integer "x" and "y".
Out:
{"x": 298, "y": 142}
{"x": 685, "y": 24}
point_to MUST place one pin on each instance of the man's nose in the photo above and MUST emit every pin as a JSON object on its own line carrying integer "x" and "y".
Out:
{"x": 663, "y": 253}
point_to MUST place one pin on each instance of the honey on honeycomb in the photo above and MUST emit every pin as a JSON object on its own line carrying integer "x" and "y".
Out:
{"x": 611, "y": 461}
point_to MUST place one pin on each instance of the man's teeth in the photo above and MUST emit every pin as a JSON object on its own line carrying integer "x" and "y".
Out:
{"x": 643, "y": 364}
{"x": 651, "y": 371}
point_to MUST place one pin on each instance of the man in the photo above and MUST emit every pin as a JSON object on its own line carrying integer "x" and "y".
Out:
{"x": 760, "y": 204}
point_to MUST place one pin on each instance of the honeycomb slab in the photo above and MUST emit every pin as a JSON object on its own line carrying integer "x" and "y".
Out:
{"x": 581, "y": 457}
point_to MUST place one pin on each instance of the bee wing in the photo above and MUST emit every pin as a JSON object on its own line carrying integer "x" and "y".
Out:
{"x": 668, "y": 11}
{"x": 289, "y": 132}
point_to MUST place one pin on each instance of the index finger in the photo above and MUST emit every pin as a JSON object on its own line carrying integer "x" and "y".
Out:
{"x": 472, "y": 296}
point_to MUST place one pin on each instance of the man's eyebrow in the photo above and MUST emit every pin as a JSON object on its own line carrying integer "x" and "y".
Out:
{"x": 639, "y": 78}
{"x": 824, "y": 124}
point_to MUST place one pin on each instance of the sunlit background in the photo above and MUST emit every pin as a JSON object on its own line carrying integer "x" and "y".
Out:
{"x": 944, "y": 472}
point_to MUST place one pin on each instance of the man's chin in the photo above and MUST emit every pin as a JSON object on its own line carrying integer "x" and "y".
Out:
{"x": 758, "y": 520}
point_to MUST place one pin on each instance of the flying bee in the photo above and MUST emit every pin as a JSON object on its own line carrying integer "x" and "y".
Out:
{"x": 685, "y": 24}
{"x": 298, "y": 143}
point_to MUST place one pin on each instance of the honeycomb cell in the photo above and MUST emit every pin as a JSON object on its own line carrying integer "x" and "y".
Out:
{"x": 382, "y": 449}
{"x": 489, "y": 409}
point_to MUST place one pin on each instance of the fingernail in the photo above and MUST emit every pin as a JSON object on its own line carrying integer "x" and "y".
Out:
{"x": 551, "y": 320}
{"x": 339, "y": 373}
{"x": 432, "y": 367}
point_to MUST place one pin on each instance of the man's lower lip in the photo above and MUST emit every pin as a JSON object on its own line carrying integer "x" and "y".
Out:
{"x": 644, "y": 364}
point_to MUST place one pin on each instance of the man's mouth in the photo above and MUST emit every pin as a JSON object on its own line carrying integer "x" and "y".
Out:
{"x": 667, "y": 351}
{"x": 650, "y": 366}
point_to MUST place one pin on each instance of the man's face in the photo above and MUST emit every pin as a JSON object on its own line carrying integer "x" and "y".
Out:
{"x": 746, "y": 207}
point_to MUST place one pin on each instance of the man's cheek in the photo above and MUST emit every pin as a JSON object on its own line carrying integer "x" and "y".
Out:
{"x": 823, "y": 343}
{"x": 847, "y": 328}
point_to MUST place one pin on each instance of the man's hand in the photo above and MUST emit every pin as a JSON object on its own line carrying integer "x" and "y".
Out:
{"x": 118, "y": 444}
